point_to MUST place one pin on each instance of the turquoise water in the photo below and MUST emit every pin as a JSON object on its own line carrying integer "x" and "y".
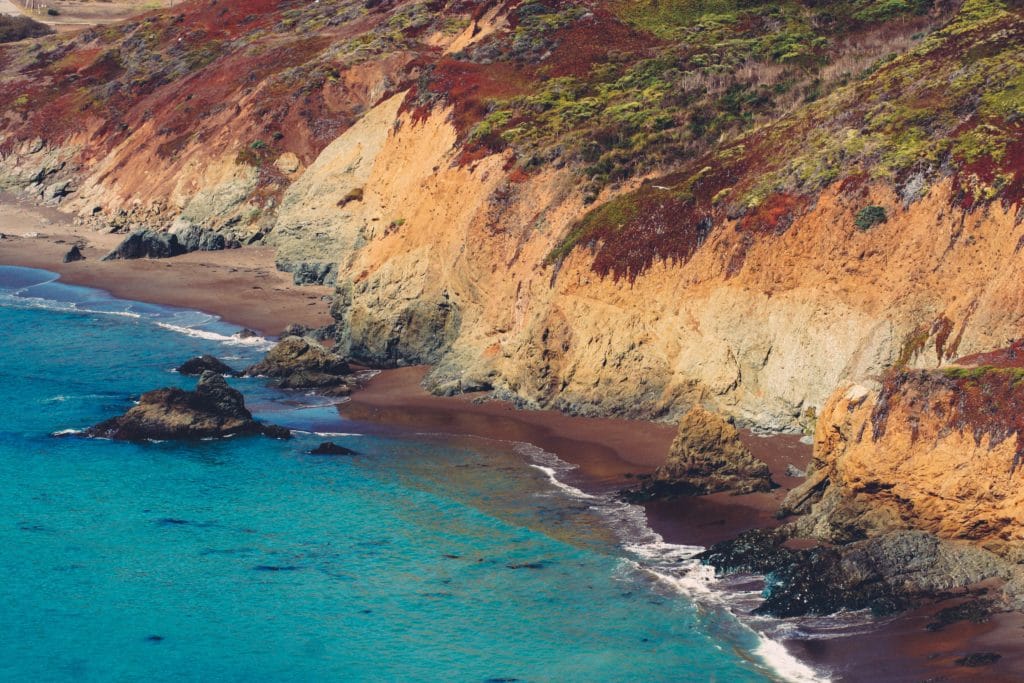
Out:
{"x": 422, "y": 559}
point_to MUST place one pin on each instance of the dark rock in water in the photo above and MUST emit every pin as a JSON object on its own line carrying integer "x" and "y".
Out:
{"x": 171, "y": 521}
{"x": 330, "y": 448}
{"x": 154, "y": 639}
{"x": 885, "y": 574}
{"x": 246, "y": 333}
{"x": 73, "y": 254}
{"x": 301, "y": 363}
{"x": 526, "y": 565}
{"x": 275, "y": 568}
{"x": 975, "y": 659}
{"x": 148, "y": 243}
{"x": 214, "y": 409}
{"x": 758, "y": 551}
{"x": 206, "y": 363}
{"x": 707, "y": 456}
{"x": 276, "y": 431}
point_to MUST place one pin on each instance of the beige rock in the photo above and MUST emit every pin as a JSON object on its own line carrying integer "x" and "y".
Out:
{"x": 288, "y": 163}
{"x": 911, "y": 457}
{"x": 707, "y": 456}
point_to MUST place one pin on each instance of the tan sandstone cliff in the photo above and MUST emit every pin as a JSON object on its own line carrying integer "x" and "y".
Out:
{"x": 932, "y": 450}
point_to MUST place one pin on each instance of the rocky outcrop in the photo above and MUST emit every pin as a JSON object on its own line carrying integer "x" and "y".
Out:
{"x": 912, "y": 487}
{"x": 932, "y": 450}
{"x": 148, "y": 243}
{"x": 302, "y": 363}
{"x": 213, "y": 410}
{"x": 310, "y": 272}
{"x": 885, "y": 574}
{"x": 331, "y": 448}
{"x": 195, "y": 238}
{"x": 206, "y": 363}
{"x": 707, "y": 456}
{"x": 73, "y": 254}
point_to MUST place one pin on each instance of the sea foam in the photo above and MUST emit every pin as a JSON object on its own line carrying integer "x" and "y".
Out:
{"x": 674, "y": 566}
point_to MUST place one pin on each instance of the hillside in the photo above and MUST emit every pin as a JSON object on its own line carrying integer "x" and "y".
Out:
{"x": 604, "y": 207}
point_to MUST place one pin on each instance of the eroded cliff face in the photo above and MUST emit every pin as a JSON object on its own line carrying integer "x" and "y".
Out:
{"x": 933, "y": 450}
{"x": 821, "y": 304}
{"x": 390, "y": 150}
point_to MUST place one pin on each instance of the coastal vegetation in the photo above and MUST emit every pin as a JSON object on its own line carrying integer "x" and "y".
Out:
{"x": 14, "y": 28}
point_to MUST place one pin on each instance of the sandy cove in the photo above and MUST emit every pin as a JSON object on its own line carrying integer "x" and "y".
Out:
{"x": 243, "y": 287}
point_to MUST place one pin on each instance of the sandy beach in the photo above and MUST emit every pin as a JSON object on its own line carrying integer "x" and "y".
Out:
{"x": 243, "y": 287}
{"x": 240, "y": 285}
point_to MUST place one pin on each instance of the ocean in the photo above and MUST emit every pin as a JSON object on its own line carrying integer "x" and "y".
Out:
{"x": 423, "y": 558}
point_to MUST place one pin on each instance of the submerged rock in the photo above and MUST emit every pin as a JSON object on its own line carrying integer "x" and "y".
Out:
{"x": 331, "y": 448}
{"x": 214, "y": 409}
{"x": 206, "y": 363}
{"x": 301, "y": 363}
{"x": 73, "y": 254}
{"x": 707, "y": 456}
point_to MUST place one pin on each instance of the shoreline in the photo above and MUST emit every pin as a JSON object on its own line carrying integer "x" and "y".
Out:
{"x": 241, "y": 286}
{"x": 607, "y": 452}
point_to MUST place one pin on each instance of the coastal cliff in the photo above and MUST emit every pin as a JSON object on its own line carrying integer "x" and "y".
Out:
{"x": 398, "y": 155}
{"x": 933, "y": 450}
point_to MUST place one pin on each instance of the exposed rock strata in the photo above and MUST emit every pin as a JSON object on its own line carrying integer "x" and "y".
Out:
{"x": 912, "y": 487}
{"x": 932, "y": 450}
{"x": 213, "y": 410}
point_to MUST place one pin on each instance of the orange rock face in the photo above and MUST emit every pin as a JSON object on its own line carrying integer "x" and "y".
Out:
{"x": 932, "y": 450}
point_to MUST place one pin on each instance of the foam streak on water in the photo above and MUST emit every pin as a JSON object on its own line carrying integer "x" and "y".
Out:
{"x": 40, "y": 289}
{"x": 674, "y": 566}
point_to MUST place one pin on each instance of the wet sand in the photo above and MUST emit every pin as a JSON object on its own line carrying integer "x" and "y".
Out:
{"x": 240, "y": 285}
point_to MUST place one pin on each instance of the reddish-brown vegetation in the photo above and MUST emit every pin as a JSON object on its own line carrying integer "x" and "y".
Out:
{"x": 984, "y": 402}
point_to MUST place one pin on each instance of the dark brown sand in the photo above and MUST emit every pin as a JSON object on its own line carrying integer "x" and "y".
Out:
{"x": 608, "y": 451}
{"x": 243, "y": 287}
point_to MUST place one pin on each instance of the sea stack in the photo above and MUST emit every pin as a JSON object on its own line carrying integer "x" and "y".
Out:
{"x": 707, "y": 456}
{"x": 213, "y": 410}
{"x": 302, "y": 363}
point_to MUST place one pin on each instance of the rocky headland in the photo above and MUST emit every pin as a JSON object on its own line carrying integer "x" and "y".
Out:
{"x": 795, "y": 216}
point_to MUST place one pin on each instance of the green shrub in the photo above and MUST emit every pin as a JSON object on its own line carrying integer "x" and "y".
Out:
{"x": 18, "y": 28}
{"x": 869, "y": 217}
